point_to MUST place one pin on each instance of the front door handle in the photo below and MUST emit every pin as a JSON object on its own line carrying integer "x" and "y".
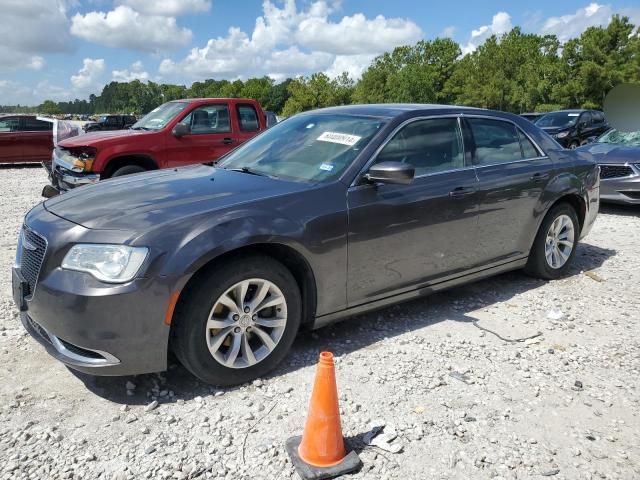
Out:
{"x": 461, "y": 192}
{"x": 539, "y": 177}
{"x": 227, "y": 140}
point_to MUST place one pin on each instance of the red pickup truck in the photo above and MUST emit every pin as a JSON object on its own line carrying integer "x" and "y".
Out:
{"x": 177, "y": 133}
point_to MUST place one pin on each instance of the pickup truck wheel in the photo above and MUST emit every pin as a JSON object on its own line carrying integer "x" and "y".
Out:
{"x": 239, "y": 322}
{"x": 555, "y": 244}
{"x": 127, "y": 170}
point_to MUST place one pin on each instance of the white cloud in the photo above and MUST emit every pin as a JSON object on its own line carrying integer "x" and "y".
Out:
{"x": 124, "y": 27}
{"x": 286, "y": 41}
{"x": 135, "y": 72}
{"x": 569, "y": 26}
{"x": 356, "y": 34}
{"x": 500, "y": 24}
{"x": 170, "y": 8}
{"x": 89, "y": 76}
{"x": 31, "y": 29}
{"x": 36, "y": 63}
{"x": 448, "y": 32}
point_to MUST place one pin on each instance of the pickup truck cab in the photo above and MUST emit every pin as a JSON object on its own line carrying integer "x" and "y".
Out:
{"x": 176, "y": 133}
{"x": 110, "y": 122}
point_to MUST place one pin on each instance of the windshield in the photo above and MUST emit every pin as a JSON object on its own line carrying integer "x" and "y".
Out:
{"x": 631, "y": 139}
{"x": 160, "y": 116}
{"x": 307, "y": 147}
{"x": 558, "y": 119}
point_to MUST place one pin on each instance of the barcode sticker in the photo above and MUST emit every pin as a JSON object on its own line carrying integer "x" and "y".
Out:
{"x": 342, "y": 138}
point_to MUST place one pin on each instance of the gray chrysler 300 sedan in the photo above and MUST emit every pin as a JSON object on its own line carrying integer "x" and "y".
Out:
{"x": 327, "y": 214}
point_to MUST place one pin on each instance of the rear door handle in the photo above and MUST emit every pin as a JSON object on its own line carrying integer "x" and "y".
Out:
{"x": 539, "y": 177}
{"x": 227, "y": 140}
{"x": 461, "y": 192}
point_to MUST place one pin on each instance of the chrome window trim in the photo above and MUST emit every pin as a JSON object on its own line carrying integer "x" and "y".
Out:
{"x": 396, "y": 130}
{"x": 459, "y": 116}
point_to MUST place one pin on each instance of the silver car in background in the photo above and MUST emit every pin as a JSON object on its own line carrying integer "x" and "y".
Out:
{"x": 618, "y": 154}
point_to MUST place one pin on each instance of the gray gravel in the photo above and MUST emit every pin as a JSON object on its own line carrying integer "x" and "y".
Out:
{"x": 465, "y": 404}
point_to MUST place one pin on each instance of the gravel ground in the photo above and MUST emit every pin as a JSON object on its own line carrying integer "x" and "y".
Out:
{"x": 465, "y": 403}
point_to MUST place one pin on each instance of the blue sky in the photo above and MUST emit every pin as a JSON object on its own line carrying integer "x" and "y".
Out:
{"x": 65, "y": 49}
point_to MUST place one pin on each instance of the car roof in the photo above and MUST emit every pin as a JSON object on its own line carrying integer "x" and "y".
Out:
{"x": 207, "y": 100}
{"x": 393, "y": 109}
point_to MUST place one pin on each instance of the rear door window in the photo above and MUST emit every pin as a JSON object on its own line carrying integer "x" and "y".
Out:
{"x": 9, "y": 124}
{"x": 34, "y": 125}
{"x": 495, "y": 141}
{"x": 248, "y": 118}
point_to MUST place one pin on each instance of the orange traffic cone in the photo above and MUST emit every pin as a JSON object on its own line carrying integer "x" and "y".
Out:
{"x": 320, "y": 453}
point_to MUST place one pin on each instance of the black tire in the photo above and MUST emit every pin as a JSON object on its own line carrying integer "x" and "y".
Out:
{"x": 127, "y": 170}
{"x": 537, "y": 264}
{"x": 189, "y": 323}
{"x": 574, "y": 144}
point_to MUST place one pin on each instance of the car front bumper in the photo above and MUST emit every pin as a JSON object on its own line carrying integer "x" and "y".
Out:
{"x": 93, "y": 327}
{"x": 622, "y": 189}
{"x": 62, "y": 179}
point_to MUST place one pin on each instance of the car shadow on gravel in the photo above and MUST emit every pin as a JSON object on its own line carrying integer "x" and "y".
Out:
{"x": 9, "y": 166}
{"x": 619, "y": 209}
{"x": 361, "y": 332}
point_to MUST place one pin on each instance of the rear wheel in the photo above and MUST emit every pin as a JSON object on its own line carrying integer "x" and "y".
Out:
{"x": 127, "y": 170}
{"x": 238, "y": 322}
{"x": 555, "y": 244}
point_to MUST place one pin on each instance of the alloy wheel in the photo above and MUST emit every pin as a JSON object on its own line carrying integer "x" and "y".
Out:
{"x": 246, "y": 323}
{"x": 559, "y": 241}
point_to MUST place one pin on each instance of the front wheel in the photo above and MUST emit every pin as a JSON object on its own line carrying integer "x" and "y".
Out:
{"x": 555, "y": 244}
{"x": 127, "y": 170}
{"x": 237, "y": 322}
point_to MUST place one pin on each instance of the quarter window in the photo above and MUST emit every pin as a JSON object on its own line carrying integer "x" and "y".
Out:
{"x": 248, "y": 118}
{"x": 430, "y": 146}
{"x": 528, "y": 149}
{"x": 208, "y": 119}
{"x": 495, "y": 141}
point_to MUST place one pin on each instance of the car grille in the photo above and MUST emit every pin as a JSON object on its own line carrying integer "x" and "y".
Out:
{"x": 615, "y": 171}
{"x": 34, "y": 247}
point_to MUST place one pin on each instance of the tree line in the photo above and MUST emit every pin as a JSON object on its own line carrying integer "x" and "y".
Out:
{"x": 517, "y": 72}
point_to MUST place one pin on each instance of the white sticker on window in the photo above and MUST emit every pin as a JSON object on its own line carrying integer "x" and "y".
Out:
{"x": 342, "y": 138}
{"x": 573, "y": 114}
{"x": 326, "y": 166}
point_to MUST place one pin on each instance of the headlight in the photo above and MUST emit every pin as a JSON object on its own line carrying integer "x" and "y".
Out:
{"x": 108, "y": 263}
{"x": 76, "y": 161}
{"x": 562, "y": 134}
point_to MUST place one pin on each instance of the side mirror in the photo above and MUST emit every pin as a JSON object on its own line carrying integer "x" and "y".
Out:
{"x": 181, "y": 130}
{"x": 391, "y": 172}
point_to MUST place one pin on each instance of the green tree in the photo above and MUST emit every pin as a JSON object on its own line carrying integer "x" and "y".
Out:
{"x": 49, "y": 107}
{"x": 317, "y": 91}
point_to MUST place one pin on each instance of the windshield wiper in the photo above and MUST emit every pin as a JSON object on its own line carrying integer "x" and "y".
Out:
{"x": 248, "y": 170}
{"x": 140, "y": 128}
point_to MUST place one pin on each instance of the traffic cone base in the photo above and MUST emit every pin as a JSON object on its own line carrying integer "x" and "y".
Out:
{"x": 350, "y": 463}
{"x": 320, "y": 452}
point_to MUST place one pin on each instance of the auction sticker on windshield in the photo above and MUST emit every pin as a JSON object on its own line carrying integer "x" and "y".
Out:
{"x": 342, "y": 138}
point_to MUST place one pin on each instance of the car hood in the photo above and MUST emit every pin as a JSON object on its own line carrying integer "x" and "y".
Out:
{"x": 98, "y": 138}
{"x": 612, "y": 153}
{"x": 138, "y": 203}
